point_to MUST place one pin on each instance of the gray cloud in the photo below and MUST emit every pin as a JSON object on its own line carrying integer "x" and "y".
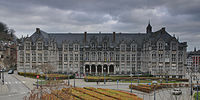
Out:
{"x": 180, "y": 17}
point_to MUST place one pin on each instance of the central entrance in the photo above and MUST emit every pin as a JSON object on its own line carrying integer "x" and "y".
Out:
{"x": 99, "y": 69}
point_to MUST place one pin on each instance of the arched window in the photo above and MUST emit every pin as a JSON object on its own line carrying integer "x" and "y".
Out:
{"x": 104, "y": 45}
{"x": 160, "y": 46}
{"x": 105, "y": 56}
{"x": 93, "y": 46}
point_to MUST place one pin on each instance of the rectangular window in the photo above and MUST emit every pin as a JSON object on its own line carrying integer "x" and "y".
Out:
{"x": 76, "y": 65}
{"x": 154, "y": 57}
{"x": 39, "y": 57}
{"x": 133, "y": 48}
{"x": 180, "y": 56}
{"x": 71, "y": 57}
{"x": 21, "y": 56}
{"x": 60, "y": 56}
{"x": 70, "y": 65}
{"x": 27, "y": 57}
{"x": 173, "y": 57}
{"x": 81, "y": 57}
{"x": 117, "y": 57}
{"x": 65, "y": 57}
{"x": 160, "y": 57}
{"x": 76, "y": 47}
{"x": 122, "y": 57}
{"x": 87, "y": 56}
{"x": 133, "y": 57}
{"x": 45, "y": 56}
{"x": 65, "y": 66}
{"x": 28, "y": 46}
{"x": 76, "y": 57}
{"x": 128, "y": 57}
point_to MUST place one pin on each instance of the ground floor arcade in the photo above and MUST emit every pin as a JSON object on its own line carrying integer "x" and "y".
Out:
{"x": 97, "y": 69}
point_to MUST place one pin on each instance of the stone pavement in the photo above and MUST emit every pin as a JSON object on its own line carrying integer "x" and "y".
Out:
{"x": 3, "y": 88}
{"x": 28, "y": 82}
{"x": 162, "y": 94}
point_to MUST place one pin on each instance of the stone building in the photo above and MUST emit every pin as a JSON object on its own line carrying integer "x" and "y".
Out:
{"x": 157, "y": 53}
{"x": 193, "y": 61}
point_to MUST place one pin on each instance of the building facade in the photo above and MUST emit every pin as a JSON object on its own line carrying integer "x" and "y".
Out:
{"x": 193, "y": 61}
{"x": 157, "y": 53}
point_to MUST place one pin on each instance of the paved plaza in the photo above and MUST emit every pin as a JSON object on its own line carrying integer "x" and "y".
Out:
{"x": 16, "y": 87}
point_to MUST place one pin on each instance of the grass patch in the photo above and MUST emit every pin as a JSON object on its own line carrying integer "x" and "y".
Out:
{"x": 195, "y": 95}
{"x": 148, "y": 81}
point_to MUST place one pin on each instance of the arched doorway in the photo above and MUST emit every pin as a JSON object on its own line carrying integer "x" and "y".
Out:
{"x": 111, "y": 69}
{"x": 87, "y": 69}
{"x": 93, "y": 69}
{"x": 99, "y": 69}
{"x": 105, "y": 68}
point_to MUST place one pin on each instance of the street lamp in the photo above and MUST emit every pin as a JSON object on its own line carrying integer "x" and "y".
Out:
{"x": 131, "y": 81}
{"x": 197, "y": 89}
{"x": 154, "y": 84}
{"x": 68, "y": 79}
{"x": 104, "y": 75}
{"x": 87, "y": 73}
{"x": 74, "y": 78}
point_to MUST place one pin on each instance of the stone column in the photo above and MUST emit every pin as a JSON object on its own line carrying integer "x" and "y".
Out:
{"x": 114, "y": 69}
{"x": 102, "y": 69}
{"x": 90, "y": 69}
{"x": 84, "y": 69}
{"x": 108, "y": 69}
{"x": 96, "y": 70}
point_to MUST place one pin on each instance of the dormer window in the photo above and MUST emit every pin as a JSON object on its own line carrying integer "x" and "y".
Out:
{"x": 133, "y": 47}
{"x": 123, "y": 47}
{"x": 76, "y": 47}
{"x": 65, "y": 47}
{"x": 28, "y": 46}
{"x": 39, "y": 46}
{"x": 160, "y": 46}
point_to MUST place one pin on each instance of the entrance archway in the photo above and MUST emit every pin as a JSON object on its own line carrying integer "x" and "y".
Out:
{"x": 87, "y": 68}
{"x": 105, "y": 68}
{"x": 93, "y": 69}
{"x": 99, "y": 68}
{"x": 111, "y": 69}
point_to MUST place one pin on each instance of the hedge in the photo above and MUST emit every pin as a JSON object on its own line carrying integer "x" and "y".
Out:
{"x": 115, "y": 78}
{"x": 43, "y": 76}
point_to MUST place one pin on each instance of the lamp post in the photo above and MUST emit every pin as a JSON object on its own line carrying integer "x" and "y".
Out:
{"x": 74, "y": 78}
{"x": 68, "y": 79}
{"x": 87, "y": 73}
{"x": 197, "y": 90}
{"x": 154, "y": 84}
{"x": 131, "y": 82}
{"x": 104, "y": 75}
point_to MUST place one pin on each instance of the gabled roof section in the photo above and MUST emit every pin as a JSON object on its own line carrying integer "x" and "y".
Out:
{"x": 39, "y": 34}
{"x": 161, "y": 35}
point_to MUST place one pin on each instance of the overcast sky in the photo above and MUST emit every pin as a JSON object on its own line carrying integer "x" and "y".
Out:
{"x": 180, "y": 17}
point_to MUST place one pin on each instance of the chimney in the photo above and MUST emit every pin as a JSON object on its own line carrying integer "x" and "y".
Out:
{"x": 37, "y": 30}
{"x": 163, "y": 28}
{"x": 85, "y": 36}
{"x": 113, "y": 36}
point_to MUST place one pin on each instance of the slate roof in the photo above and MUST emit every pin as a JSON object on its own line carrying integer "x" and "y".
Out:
{"x": 128, "y": 38}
